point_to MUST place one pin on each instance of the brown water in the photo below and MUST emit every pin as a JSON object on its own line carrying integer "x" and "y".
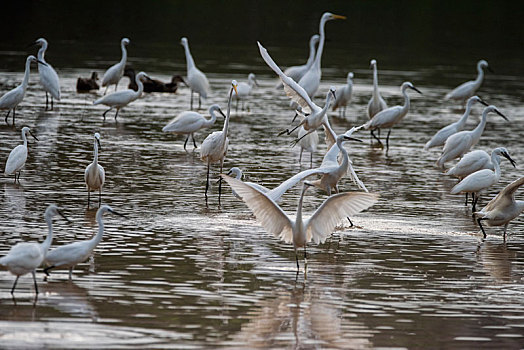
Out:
{"x": 413, "y": 273}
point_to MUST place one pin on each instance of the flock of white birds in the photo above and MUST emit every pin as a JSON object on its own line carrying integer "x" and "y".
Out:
{"x": 476, "y": 170}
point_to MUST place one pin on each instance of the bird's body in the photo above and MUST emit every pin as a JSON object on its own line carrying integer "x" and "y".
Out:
{"x": 442, "y": 135}
{"x": 376, "y": 103}
{"x": 482, "y": 179}
{"x": 87, "y": 84}
{"x": 471, "y": 162}
{"x": 11, "y": 99}
{"x": 297, "y": 72}
{"x": 196, "y": 80}
{"x": 238, "y": 175}
{"x": 120, "y": 99}
{"x": 25, "y": 257}
{"x": 503, "y": 208}
{"x": 153, "y": 85}
{"x": 69, "y": 255}
{"x": 391, "y": 116}
{"x": 468, "y": 89}
{"x": 189, "y": 122}
{"x": 95, "y": 175}
{"x": 344, "y": 95}
{"x": 48, "y": 76}
{"x": 18, "y": 156}
{"x": 461, "y": 142}
{"x": 244, "y": 89}
{"x": 114, "y": 73}
{"x": 301, "y": 231}
{"x": 308, "y": 143}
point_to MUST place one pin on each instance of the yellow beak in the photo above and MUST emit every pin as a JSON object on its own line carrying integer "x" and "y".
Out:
{"x": 339, "y": 17}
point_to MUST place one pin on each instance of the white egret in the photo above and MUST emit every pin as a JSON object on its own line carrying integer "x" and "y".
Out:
{"x": 153, "y": 85}
{"x": 238, "y": 175}
{"x": 25, "y": 257}
{"x": 18, "y": 155}
{"x": 69, "y": 255}
{"x": 310, "y": 81}
{"x": 196, "y": 80}
{"x": 297, "y": 72}
{"x": 11, "y": 99}
{"x": 317, "y": 116}
{"x": 442, "y": 135}
{"x": 87, "y": 84}
{"x": 376, "y": 103}
{"x": 468, "y": 89}
{"x": 214, "y": 147}
{"x": 461, "y": 142}
{"x": 120, "y": 99}
{"x": 189, "y": 122}
{"x": 473, "y": 161}
{"x": 307, "y": 143}
{"x": 95, "y": 175}
{"x": 244, "y": 89}
{"x": 48, "y": 76}
{"x": 114, "y": 73}
{"x": 391, "y": 116}
{"x": 301, "y": 231}
{"x": 482, "y": 179}
{"x": 501, "y": 209}
{"x": 344, "y": 95}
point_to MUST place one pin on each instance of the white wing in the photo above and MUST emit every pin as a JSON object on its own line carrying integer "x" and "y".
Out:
{"x": 16, "y": 159}
{"x": 505, "y": 197}
{"x": 475, "y": 182}
{"x": 277, "y": 192}
{"x": 322, "y": 223}
{"x": 292, "y": 89}
{"x": 68, "y": 255}
{"x": 117, "y": 99}
{"x": 267, "y": 212}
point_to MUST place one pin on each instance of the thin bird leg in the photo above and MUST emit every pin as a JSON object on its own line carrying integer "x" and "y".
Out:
{"x": 104, "y": 114}
{"x": 375, "y": 137}
{"x": 7, "y": 116}
{"x": 387, "y": 141}
{"x": 185, "y": 142}
{"x": 47, "y": 269}
{"x": 51, "y": 102}
{"x": 505, "y": 229}
{"x": 295, "y": 117}
{"x": 482, "y": 228}
{"x": 473, "y": 209}
{"x": 294, "y": 142}
{"x": 310, "y": 160}
{"x": 199, "y": 101}
{"x": 14, "y": 284}
{"x": 116, "y": 114}
{"x": 191, "y": 103}
{"x": 99, "y": 196}
{"x": 288, "y": 132}
{"x": 300, "y": 157}
{"x": 34, "y": 280}
{"x": 350, "y": 222}
{"x": 14, "y": 112}
{"x": 305, "y": 257}
{"x": 296, "y": 257}
{"x": 71, "y": 273}
{"x": 220, "y": 181}
{"x": 466, "y": 199}
{"x": 194, "y": 142}
{"x": 46, "y": 101}
{"x": 207, "y": 179}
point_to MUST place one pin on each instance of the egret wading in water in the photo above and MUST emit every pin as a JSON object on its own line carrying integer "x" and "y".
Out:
{"x": 48, "y": 76}
{"x": 391, "y": 116}
{"x": 114, "y": 73}
{"x": 317, "y": 116}
{"x": 376, "y": 103}
{"x": 482, "y": 179}
{"x": 196, "y": 80}
{"x": 344, "y": 95}
{"x": 244, "y": 89}
{"x": 87, "y": 84}
{"x": 69, "y": 255}
{"x": 25, "y": 257}
{"x": 18, "y": 155}
{"x": 297, "y": 72}
{"x": 501, "y": 209}
{"x": 95, "y": 175}
{"x": 189, "y": 122}
{"x": 120, "y": 99}
{"x": 468, "y": 89}
{"x": 214, "y": 147}
{"x": 461, "y": 142}
{"x": 301, "y": 231}
{"x": 442, "y": 135}
{"x": 307, "y": 143}
{"x": 11, "y": 99}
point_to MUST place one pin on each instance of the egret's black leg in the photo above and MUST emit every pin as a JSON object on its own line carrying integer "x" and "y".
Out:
{"x": 387, "y": 140}
{"x": 7, "y": 116}
{"x": 350, "y": 222}
{"x": 194, "y": 142}
{"x": 191, "y": 104}
{"x": 482, "y": 228}
{"x": 207, "y": 180}
{"x": 14, "y": 285}
{"x": 34, "y": 280}
{"x": 375, "y": 137}
{"x": 46, "y": 101}
{"x": 116, "y": 114}
{"x": 185, "y": 142}
{"x": 104, "y": 114}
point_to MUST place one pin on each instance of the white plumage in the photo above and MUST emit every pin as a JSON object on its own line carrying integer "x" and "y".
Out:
{"x": 48, "y": 76}
{"x": 244, "y": 89}
{"x": 376, "y": 103}
{"x": 471, "y": 162}
{"x": 238, "y": 175}
{"x": 114, "y": 73}
{"x": 344, "y": 95}
{"x": 468, "y": 89}
{"x": 308, "y": 143}
{"x": 196, "y": 80}
{"x": 95, "y": 175}
{"x": 18, "y": 156}
{"x": 297, "y": 72}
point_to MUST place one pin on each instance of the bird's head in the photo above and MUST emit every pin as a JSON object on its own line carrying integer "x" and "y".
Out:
{"x": 125, "y": 41}
{"x": 484, "y": 64}
{"x": 26, "y": 130}
{"x": 372, "y": 63}
{"x": 216, "y": 107}
{"x": 40, "y": 42}
{"x": 236, "y": 172}
{"x": 328, "y": 16}
{"x": 234, "y": 86}
{"x": 183, "y": 41}
{"x": 97, "y": 139}
{"x": 408, "y": 85}
{"x": 494, "y": 109}
{"x": 106, "y": 208}
{"x": 32, "y": 58}
{"x": 332, "y": 91}
{"x": 314, "y": 39}
{"x": 53, "y": 210}
{"x": 251, "y": 77}
{"x": 504, "y": 152}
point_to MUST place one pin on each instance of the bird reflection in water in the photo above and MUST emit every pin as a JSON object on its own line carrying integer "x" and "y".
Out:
{"x": 496, "y": 260}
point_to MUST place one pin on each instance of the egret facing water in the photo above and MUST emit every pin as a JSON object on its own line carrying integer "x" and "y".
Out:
{"x": 48, "y": 76}
{"x": 17, "y": 157}
{"x": 95, "y": 175}
{"x": 468, "y": 89}
{"x": 196, "y": 80}
{"x": 114, "y": 73}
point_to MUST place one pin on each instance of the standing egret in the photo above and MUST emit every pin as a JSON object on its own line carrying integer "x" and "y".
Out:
{"x": 25, "y": 257}
{"x": 87, "y": 84}
{"x": 214, "y": 147}
{"x": 301, "y": 231}
{"x": 48, "y": 76}
{"x": 244, "y": 89}
{"x": 238, "y": 175}
{"x": 473, "y": 161}
{"x": 16, "y": 160}
{"x": 189, "y": 122}
{"x": 310, "y": 81}
{"x": 376, "y": 103}
{"x": 317, "y": 116}
{"x": 196, "y": 80}
{"x": 12, "y": 98}
{"x": 468, "y": 89}
{"x": 482, "y": 179}
{"x": 95, "y": 175}
{"x": 501, "y": 209}
{"x": 297, "y": 72}
{"x": 69, "y": 255}
{"x": 344, "y": 95}
{"x": 391, "y": 116}
{"x": 461, "y": 142}
{"x": 114, "y": 73}
{"x": 120, "y": 99}
{"x": 307, "y": 143}
{"x": 442, "y": 135}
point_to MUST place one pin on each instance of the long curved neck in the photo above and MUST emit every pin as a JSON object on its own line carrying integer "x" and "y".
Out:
{"x": 328, "y": 102}
{"x": 464, "y": 118}
{"x": 311, "y": 57}
{"x": 138, "y": 80}
{"x": 495, "y": 160}
{"x": 226, "y": 122}
{"x": 95, "y": 153}
{"x": 41, "y": 52}
{"x": 93, "y": 242}
{"x": 345, "y": 156}
{"x": 480, "y": 127}
{"x": 298, "y": 219}
{"x": 47, "y": 243}
{"x": 24, "y": 138}
{"x": 124, "y": 54}
{"x": 212, "y": 120}
{"x": 375, "y": 80}
{"x": 26, "y": 74}
{"x": 189, "y": 58}
{"x": 405, "y": 107}
{"x": 480, "y": 75}
{"x": 320, "y": 49}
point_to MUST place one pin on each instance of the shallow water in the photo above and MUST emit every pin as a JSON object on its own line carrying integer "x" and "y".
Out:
{"x": 413, "y": 273}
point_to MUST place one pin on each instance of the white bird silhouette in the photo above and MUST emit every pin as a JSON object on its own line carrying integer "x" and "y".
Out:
{"x": 48, "y": 76}
{"x": 244, "y": 89}
{"x": 196, "y": 80}
{"x": 114, "y": 73}
{"x": 468, "y": 89}
{"x": 18, "y": 155}
{"x": 95, "y": 175}
{"x": 344, "y": 95}
{"x": 297, "y": 72}
{"x": 376, "y": 103}
{"x": 473, "y": 161}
